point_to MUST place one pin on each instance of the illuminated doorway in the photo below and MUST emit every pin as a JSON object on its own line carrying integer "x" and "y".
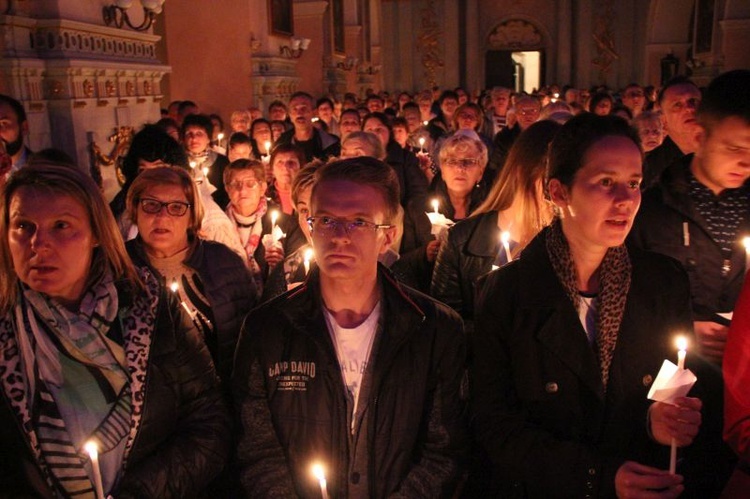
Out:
{"x": 528, "y": 71}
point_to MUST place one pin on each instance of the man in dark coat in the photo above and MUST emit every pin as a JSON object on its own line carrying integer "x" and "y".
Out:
{"x": 316, "y": 143}
{"x": 351, "y": 370}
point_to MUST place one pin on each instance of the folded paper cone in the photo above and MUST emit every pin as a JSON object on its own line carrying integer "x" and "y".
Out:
{"x": 671, "y": 383}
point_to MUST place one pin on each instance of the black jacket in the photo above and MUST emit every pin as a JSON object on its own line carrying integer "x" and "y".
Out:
{"x": 666, "y": 212}
{"x": 659, "y": 160}
{"x": 291, "y": 404}
{"x": 469, "y": 253}
{"x": 323, "y": 145}
{"x": 538, "y": 405}
{"x": 227, "y": 285}
{"x": 184, "y": 436}
{"x": 412, "y": 182}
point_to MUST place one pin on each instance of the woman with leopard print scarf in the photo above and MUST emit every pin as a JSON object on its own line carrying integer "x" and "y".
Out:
{"x": 569, "y": 337}
{"x": 81, "y": 334}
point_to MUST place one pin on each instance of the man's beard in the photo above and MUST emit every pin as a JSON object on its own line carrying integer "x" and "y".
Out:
{"x": 12, "y": 148}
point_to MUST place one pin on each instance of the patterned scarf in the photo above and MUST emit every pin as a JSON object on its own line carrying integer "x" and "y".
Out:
{"x": 35, "y": 333}
{"x": 614, "y": 283}
{"x": 255, "y": 221}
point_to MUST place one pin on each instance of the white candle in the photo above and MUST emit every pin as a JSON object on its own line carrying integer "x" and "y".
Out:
{"x": 205, "y": 171}
{"x": 320, "y": 475}
{"x": 505, "y": 239}
{"x": 421, "y": 144}
{"x": 174, "y": 286}
{"x": 93, "y": 452}
{"x": 268, "y": 146}
{"x": 308, "y": 257}
{"x": 274, "y": 217}
{"x": 681, "y": 353}
{"x": 193, "y": 164}
{"x": 220, "y": 137}
{"x": 425, "y": 122}
{"x": 435, "y": 205}
{"x": 746, "y": 244}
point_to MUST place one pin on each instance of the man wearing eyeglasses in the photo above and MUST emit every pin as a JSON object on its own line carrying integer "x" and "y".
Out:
{"x": 351, "y": 370}
{"x": 527, "y": 111}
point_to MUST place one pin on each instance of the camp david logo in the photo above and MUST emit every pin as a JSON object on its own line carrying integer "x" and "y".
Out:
{"x": 292, "y": 375}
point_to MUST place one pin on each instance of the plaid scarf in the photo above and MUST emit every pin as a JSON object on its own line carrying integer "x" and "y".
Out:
{"x": 614, "y": 283}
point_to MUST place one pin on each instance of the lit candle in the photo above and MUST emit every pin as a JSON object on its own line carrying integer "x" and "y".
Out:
{"x": 505, "y": 239}
{"x": 174, "y": 286}
{"x": 435, "y": 205}
{"x": 193, "y": 164}
{"x": 746, "y": 244}
{"x": 320, "y": 475}
{"x": 205, "y": 171}
{"x": 425, "y": 122}
{"x": 308, "y": 257}
{"x": 681, "y": 353}
{"x": 421, "y": 144}
{"x": 220, "y": 137}
{"x": 93, "y": 452}
{"x": 268, "y": 146}
{"x": 274, "y": 217}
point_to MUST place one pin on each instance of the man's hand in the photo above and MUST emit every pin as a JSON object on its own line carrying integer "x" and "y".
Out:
{"x": 680, "y": 421}
{"x": 644, "y": 482}
{"x": 712, "y": 339}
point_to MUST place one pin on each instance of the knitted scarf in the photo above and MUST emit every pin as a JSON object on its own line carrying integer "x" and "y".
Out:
{"x": 614, "y": 283}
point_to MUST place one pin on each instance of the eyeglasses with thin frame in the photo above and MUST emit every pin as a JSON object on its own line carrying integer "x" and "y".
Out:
{"x": 174, "y": 208}
{"x": 250, "y": 183}
{"x": 331, "y": 225}
{"x": 465, "y": 163}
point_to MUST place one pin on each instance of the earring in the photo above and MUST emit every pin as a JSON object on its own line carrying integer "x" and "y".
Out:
{"x": 477, "y": 184}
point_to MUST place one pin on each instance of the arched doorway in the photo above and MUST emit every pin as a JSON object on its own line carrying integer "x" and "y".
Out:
{"x": 515, "y": 56}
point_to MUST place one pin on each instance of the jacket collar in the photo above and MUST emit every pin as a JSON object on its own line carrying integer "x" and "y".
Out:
{"x": 561, "y": 331}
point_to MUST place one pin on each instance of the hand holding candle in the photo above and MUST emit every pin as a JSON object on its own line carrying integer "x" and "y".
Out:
{"x": 319, "y": 474}
{"x": 220, "y": 137}
{"x": 681, "y": 353}
{"x": 93, "y": 451}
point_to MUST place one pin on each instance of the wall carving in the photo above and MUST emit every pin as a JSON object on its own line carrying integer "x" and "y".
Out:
{"x": 515, "y": 34}
{"x": 429, "y": 42}
{"x": 604, "y": 40}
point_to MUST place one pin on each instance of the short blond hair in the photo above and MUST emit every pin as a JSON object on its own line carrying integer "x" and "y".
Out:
{"x": 461, "y": 142}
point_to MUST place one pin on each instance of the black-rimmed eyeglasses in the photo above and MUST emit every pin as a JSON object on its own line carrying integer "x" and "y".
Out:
{"x": 174, "y": 208}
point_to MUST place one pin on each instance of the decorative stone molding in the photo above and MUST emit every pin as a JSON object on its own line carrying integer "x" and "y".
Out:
{"x": 515, "y": 34}
{"x": 604, "y": 40}
{"x": 274, "y": 78}
{"x": 59, "y": 38}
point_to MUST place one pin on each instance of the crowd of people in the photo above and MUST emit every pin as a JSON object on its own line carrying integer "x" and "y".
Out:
{"x": 431, "y": 295}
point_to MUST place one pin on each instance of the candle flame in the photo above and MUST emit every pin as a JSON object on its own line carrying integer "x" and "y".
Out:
{"x": 193, "y": 164}
{"x": 91, "y": 448}
{"x": 268, "y": 146}
{"x": 221, "y": 136}
{"x": 174, "y": 286}
{"x": 681, "y": 343}
{"x": 421, "y": 141}
{"x": 274, "y": 217}
{"x": 308, "y": 254}
{"x": 505, "y": 237}
{"x": 435, "y": 205}
{"x": 205, "y": 171}
{"x": 318, "y": 472}
{"x": 746, "y": 243}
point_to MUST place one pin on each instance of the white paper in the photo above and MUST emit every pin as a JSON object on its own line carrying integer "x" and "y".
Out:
{"x": 671, "y": 383}
{"x": 440, "y": 224}
{"x": 726, "y": 315}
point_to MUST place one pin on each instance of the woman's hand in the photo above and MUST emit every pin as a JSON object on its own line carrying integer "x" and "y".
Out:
{"x": 274, "y": 254}
{"x": 432, "y": 250}
{"x": 680, "y": 421}
{"x": 641, "y": 481}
